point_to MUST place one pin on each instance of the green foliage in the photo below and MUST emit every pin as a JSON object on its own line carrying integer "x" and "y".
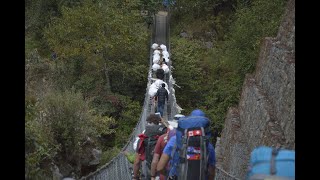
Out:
{"x": 253, "y": 23}
{"x": 30, "y": 44}
{"x": 67, "y": 99}
{"x": 68, "y": 116}
{"x": 56, "y": 128}
{"x": 130, "y": 156}
{"x": 76, "y": 33}
{"x": 129, "y": 117}
{"x": 129, "y": 79}
{"x": 87, "y": 36}
{"x": 212, "y": 79}
{"x": 39, "y": 144}
{"x": 102, "y": 124}
{"x": 122, "y": 108}
{"x": 189, "y": 75}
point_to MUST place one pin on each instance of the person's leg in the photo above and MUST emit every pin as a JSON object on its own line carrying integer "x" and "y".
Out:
{"x": 158, "y": 107}
{"x": 161, "y": 106}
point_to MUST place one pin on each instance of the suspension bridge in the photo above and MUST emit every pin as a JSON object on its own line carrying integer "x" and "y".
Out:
{"x": 119, "y": 168}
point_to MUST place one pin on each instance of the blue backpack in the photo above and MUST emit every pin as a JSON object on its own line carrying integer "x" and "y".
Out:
{"x": 271, "y": 163}
{"x": 191, "y": 148}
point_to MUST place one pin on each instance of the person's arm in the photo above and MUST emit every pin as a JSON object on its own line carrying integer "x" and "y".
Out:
{"x": 162, "y": 163}
{"x": 165, "y": 157}
{"x": 212, "y": 172}
{"x": 136, "y": 167}
{"x": 167, "y": 96}
{"x": 156, "y": 156}
{"x": 154, "y": 163}
{"x": 164, "y": 122}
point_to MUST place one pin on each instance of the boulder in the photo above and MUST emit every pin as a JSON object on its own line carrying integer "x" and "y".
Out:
{"x": 96, "y": 157}
{"x": 184, "y": 35}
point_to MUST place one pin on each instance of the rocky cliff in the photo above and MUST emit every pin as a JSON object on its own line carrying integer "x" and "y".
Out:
{"x": 266, "y": 111}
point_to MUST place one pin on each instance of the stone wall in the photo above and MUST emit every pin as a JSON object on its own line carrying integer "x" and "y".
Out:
{"x": 266, "y": 111}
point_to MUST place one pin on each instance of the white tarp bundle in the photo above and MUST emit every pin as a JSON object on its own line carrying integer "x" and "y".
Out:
{"x": 165, "y": 68}
{"x": 165, "y": 54}
{"x": 152, "y": 90}
{"x": 167, "y": 60}
{"x": 154, "y": 46}
{"x": 156, "y": 52}
{"x": 155, "y": 86}
{"x": 156, "y": 58}
{"x": 155, "y": 67}
{"x": 163, "y": 47}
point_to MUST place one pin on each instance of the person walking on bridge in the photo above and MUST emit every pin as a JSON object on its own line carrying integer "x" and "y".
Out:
{"x": 181, "y": 150}
{"x": 146, "y": 144}
{"x": 161, "y": 143}
{"x": 162, "y": 96}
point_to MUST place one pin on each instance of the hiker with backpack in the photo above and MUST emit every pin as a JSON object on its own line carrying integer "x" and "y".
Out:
{"x": 146, "y": 144}
{"x": 162, "y": 96}
{"x": 161, "y": 143}
{"x": 190, "y": 153}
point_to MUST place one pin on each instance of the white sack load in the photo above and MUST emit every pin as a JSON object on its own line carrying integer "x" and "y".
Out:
{"x": 154, "y": 46}
{"x": 156, "y": 52}
{"x": 165, "y": 68}
{"x": 167, "y": 60}
{"x": 152, "y": 90}
{"x": 165, "y": 54}
{"x": 156, "y": 61}
{"x": 163, "y": 47}
{"x": 156, "y": 58}
{"x": 158, "y": 84}
{"x": 155, "y": 67}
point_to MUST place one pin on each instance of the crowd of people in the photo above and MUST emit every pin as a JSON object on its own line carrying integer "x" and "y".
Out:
{"x": 162, "y": 143}
{"x": 181, "y": 149}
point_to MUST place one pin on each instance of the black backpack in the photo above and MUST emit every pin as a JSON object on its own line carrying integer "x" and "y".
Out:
{"x": 153, "y": 132}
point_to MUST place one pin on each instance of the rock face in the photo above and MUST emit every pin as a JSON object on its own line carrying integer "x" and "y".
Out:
{"x": 266, "y": 111}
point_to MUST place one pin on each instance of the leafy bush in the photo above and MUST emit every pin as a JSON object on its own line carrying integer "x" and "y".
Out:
{"x": 68, "y": 116}
{"x": 129, "y": 117}
{"x": 57, "y": 127}
{"x": 40, "y": 147}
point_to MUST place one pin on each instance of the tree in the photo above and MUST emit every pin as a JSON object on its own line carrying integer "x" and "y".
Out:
{"x": 102, "y": 35}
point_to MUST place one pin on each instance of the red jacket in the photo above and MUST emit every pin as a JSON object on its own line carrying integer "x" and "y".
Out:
{"x": 141, "y": 148}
